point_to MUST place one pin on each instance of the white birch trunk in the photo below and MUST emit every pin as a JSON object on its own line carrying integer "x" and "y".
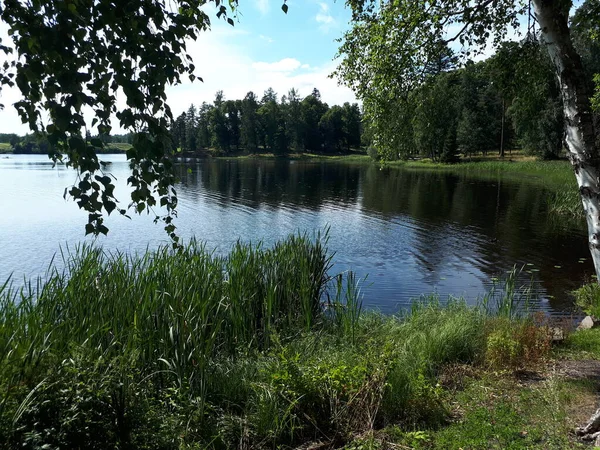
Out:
{"x": 552, "y": 16}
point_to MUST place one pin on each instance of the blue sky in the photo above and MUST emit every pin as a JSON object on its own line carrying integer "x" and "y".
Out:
{"x": 307, "y": 32}
{"x": 266, "y": 48}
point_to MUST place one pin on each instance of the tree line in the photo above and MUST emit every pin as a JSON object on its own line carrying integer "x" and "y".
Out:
{"x": 292, "y": 124}
{"x": 510, "y": 100}
{"x": 37, "y": 143}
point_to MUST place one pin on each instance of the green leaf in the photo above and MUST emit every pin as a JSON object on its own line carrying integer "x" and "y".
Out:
{"x": 284, "y": 8}
{"x": 110, "y": 206}
{"x": 77, "y": 144}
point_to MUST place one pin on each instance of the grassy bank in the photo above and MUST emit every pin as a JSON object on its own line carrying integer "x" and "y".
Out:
{"x": 116, "y": 147}
{"x": 554, "y": 176}
{"x": 355, "y": 157}
{"x": 263, "y": 349}
{"x": 5, "y": 148}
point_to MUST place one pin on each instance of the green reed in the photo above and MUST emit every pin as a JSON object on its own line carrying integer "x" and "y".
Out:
{"x": 507, "y": 298}
{"x": 174, "y": 310}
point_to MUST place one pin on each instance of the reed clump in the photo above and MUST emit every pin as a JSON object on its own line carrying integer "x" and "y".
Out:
{"x": 259, "y": 348}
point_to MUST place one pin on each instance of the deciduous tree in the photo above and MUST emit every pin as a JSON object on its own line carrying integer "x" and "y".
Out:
{"x": 73, "y": 56}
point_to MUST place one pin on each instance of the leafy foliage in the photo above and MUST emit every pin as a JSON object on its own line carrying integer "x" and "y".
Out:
{"x": 587, "y": 298}
{"x": 395, "y": 47}
{"x": 586, "y": 39}
{"x": 396, "y": 53}
{"x": 73, "y": 57}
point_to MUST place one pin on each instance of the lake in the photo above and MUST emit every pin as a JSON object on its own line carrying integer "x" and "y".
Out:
{"x": 412, "y": 232}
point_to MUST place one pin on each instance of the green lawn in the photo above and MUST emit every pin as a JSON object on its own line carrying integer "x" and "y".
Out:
{"x": 537, "y": 407}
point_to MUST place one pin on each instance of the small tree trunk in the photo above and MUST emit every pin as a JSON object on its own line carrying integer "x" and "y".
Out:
{"x": 502, "y": 132}
{"x": 552, "y": 15}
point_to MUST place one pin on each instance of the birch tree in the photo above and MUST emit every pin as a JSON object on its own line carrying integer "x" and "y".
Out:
{"x": 69, "y": 56}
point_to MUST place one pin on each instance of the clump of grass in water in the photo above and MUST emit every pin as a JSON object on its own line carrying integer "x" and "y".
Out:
{"x": 345, "y": 308}
{"x": 261, "y": 347}
{"x": 566, "y": 202}
{"x": 162, "y": 320}
{"x": 171, "y": 304}
{"x": 511, "y": 300}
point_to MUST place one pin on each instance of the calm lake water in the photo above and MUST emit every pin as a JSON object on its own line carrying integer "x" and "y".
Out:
{"x": 411, "y": 231}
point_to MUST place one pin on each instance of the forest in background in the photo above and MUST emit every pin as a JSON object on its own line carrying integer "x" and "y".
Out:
{"x": 510, "y": 100}
{"x": 32, "y": 144}
{"x": 266, "y": 124}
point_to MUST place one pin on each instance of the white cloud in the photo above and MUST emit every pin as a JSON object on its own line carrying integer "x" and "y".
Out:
{"x": 266, "y": 38}
{"x": 262, "y": 6}
{"x": 285, "y": 65}
{"x": 231, "y": 69}
{"x": 324, "y": 18}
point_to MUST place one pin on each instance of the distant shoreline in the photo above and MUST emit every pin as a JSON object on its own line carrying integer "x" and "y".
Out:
{"x": 117, "y": 148}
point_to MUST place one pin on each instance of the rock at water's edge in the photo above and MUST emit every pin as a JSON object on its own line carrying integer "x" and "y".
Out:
{"x": 587, "y": 323}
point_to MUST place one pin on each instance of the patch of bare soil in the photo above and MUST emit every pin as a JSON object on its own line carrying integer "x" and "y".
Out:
{"x": 586, "y": 369}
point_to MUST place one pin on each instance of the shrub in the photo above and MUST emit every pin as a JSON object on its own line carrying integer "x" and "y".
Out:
{"x": 587, "y": 298}
{"x": 503, "y": 349}
{"x": 514, "y": 344}
{"x": 373, "y": 153}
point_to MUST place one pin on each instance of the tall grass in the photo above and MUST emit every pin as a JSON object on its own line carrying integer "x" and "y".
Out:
{"x": 508, "y": 298}
{"x": 169, "y": 314}
{"x": 566, "y": 202}
{"x": 178, "y": 307}
{"x": 255, "y": 349}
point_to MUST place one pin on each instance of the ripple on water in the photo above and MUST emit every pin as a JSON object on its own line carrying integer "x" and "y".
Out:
{"x": 411, "y": 232}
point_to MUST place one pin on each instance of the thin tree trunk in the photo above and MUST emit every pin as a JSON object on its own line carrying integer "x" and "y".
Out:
{"x": 502, "y": 132}
{"x": 552, "y": 15}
